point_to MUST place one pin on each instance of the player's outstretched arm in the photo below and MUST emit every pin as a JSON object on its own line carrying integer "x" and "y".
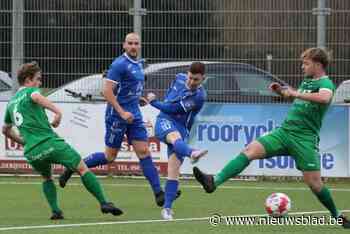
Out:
{"x": 111, "y": 99}
{"x": 282, "y": 90}
{"x": 324, "y": 96}
{"x": 165, "y": 107}
{"x": 8, "y": 131}
{"x": 169, "y": 108}
{"x": 47, "y": 104}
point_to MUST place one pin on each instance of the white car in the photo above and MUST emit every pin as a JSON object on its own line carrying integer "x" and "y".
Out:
{"x": 5, "y": 86}
{"x": 342, "y": 94}
{"x": 225, "y": 82}
{"x": 87, "y": 88}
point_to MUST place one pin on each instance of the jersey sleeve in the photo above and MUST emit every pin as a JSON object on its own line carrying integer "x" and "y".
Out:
{"x": 116, "y": 72}
{"x": 327, "y": 85}
{"x": 169, "y": 108}
{"x": 192, "y": 103}
{"x": 32, "y": 91}
{"x": 7, "y": 119}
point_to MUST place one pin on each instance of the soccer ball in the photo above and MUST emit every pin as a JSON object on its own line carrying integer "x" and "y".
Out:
{"x": 277, "y": 204}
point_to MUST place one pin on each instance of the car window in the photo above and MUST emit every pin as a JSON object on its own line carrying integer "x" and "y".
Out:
{"x": 89, "y": 85}
{"x": 161, "y": 80}
{"x": 240, "y": 78}
{"x": 254, "y": 82}
{"x": 218, "y": 83}
{"x": 84, "y": 89}
{"x": 4, "y": 86}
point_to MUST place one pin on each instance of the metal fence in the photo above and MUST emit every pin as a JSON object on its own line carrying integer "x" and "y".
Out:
{"x": 76, "y": 38}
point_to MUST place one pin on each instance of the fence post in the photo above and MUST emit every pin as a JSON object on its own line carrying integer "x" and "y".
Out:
{"x": 321, "y": 11}
{"x": 138, "y": 12}
{"x": 17, "y": 40}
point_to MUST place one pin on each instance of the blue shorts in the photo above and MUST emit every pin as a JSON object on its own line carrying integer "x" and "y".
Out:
{"x": 116, "y": 129}
{"x": 164, "y": 127}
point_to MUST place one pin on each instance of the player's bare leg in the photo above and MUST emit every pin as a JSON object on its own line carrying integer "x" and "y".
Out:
{"x": 254, "y": 150}
{"x": 109, "y": 155}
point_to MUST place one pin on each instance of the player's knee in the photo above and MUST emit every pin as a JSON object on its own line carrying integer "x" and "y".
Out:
{"x": 254, "y": 151}
{"x": 251, "y": 152}
{"x": 111, "y": 154}
{"x": 143, "y": 152}
{"x": 82, "y": 168}
{"x": 173, "y": 170}
{"x": 111, "y": 157}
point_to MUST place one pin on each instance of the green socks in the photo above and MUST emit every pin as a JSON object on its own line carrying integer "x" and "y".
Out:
{"x": 325, "y": 197}
{"x": 50, "y": 193}
{"x": 233, "y": 168}
{"x": 93, "y": 186}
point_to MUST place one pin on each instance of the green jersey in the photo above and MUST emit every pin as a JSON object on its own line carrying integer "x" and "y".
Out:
{"x": 306, "y": 116}
{"x": 29, "y": 117}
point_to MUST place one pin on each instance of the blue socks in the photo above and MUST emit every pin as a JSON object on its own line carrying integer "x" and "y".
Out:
{"x": 170, "y": 192}
{"x": 95, "y": 159}
{"x": 147, "y": 166}
{"x": 181, "y": 148}
{"x": 151, "y": 173}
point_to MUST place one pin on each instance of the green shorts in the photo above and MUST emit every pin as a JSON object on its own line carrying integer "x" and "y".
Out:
{"x": 303, "y": 148}
{"x": 52, "y": 151}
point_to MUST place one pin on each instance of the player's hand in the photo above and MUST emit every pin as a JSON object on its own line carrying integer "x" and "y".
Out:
{"x": 151, "y": 97}
{"x": 275, "y": 87}
{"x": 290, "y": 92}
{"x": 127, "y": 116}
{"x": 56, "y": 120}
{"x": 143, "y": 101}
{"x": 279, "y": 89}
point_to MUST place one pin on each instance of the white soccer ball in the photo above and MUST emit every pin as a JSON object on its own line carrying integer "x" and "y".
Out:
{"x": 277, "y": 204}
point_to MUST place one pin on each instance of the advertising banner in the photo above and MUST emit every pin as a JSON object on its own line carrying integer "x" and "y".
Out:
{"x": 223, "y": 129}
{"x": 226, "y": 129}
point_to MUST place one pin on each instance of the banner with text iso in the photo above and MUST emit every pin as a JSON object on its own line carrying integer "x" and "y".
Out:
{"x": 225, "y": 129}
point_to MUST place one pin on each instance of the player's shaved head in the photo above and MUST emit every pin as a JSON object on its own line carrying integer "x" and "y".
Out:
{"x": 132, "y": 44}
{"x": 132, "y": 36}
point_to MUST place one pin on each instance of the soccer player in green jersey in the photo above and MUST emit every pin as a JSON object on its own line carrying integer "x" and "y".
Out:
{"x": 42, "y": 146}
{"x": 298, "y": 136}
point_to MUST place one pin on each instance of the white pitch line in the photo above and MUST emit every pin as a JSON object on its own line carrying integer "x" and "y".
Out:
{"x": 184, "y": 186}
{"x": 147, "y": 221}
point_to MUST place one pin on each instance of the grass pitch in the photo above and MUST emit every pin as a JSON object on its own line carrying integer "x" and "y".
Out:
{"x": 24, "y": 209}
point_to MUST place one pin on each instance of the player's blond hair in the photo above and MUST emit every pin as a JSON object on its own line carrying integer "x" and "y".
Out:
{"x": 27, "y": 70}
{"x": 317, "y": 55}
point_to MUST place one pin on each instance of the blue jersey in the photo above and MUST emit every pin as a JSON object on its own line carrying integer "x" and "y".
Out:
{"x": 129, "y": 77}
{"x": 191, "y": 102}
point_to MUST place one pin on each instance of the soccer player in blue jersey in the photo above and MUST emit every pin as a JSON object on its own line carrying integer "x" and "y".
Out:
{"x": 122, "y": 89}
{"x": 182, "y": 102}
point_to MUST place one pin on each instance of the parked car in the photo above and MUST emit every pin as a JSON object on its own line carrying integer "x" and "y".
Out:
{"x": 342, "y": 93}
{"x": 88, "y": 88}
{"x": 5, "y": 86}
{"x": 225, "y": 82}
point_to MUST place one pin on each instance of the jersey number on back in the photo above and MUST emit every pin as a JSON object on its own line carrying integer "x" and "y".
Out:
{"x": 18, "y": 117}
